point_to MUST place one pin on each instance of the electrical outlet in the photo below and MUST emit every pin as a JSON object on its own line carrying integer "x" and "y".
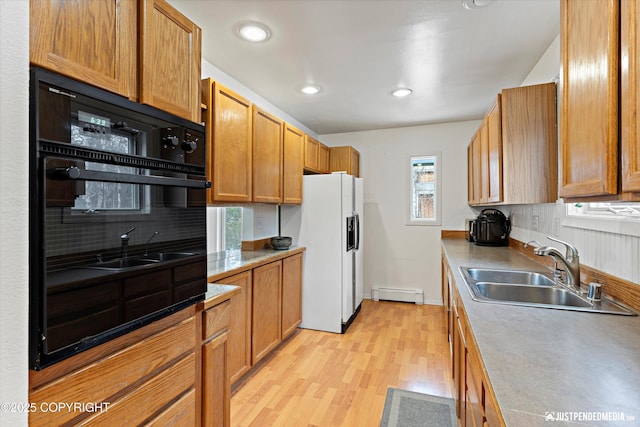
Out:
{"x": 535, "y": 223}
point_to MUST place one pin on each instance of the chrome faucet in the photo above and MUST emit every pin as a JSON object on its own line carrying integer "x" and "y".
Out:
{"x": 570, "y": 261}
{"x": 124, "y": 243}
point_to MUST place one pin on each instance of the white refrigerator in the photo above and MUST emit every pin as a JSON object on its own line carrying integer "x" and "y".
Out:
{"x": 329, "y": 223}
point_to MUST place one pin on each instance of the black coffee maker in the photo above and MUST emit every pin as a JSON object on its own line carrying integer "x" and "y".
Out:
{"x": 491, "y": 228}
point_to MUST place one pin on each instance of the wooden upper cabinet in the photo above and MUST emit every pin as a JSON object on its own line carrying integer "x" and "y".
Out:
{"x": 323, "y": 158}
{"x": 494, "y": 152}
{"x": 513, "y": 155}
{"x": 630, "y": 105}
{"x": 228, "y": 119}
{"x": 484, "y": 162}
{"x": 170, "y": 53}
{"x": 311, "y": 147}
{"x": 268, "y": 132}
{"x": 589, "y": 34}
{"x": 94, "y": 41}
{"x": 292, "y": 165}
{"x": 345, "y": 159}
{"x": 529, "y": 144}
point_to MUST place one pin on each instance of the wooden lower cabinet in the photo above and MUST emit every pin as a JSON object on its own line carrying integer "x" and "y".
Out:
{"x": 291, "y": 294}
{"x": 216, "y": 387}
{"x": 266, "y": 309}
{"x": 475, "y": 402}
{"x": 239, "y": 340}
{"x": 141, "y": 376}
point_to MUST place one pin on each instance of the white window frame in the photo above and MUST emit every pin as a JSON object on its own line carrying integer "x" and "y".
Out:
{"x": 600, "y": 217}
{"x": 437, "y": 156}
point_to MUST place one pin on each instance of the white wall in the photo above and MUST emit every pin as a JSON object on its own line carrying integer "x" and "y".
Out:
{"x": 398, "y": 255}
{"x": 14, "y": 192}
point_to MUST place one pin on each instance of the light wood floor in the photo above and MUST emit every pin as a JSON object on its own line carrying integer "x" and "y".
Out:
{"x": 324, "y": 379}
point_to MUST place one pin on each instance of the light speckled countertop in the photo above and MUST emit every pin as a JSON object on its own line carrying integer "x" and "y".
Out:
{"x": 542, "y": 361}
{"x": 225, "y": 264}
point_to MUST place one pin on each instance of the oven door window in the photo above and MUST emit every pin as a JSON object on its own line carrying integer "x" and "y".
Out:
{"x": 107, "y": 196}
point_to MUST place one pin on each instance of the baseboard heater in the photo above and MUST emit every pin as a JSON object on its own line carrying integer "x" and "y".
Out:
{"x": 397, "y": 294}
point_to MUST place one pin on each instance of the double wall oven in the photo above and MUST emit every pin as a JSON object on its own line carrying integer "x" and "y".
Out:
{"x": 117, "y": 216}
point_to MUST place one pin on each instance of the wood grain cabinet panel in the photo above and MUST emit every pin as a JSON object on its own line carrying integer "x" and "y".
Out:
{"x": 345, "y": 159}
{"x": 292, "y": 165}
{"x": 266, "y": 309}
{"x": 630, "y": 105}
{"x": 94, "y": 41}
{"x": 215, "y": 379}
{"x": 323, "y": 158}
{"x": 268, "y": 132}
{"x": 170, "y": 54}
{"x": 589, "y": 37}
{"x": 291, "y": 294}
{"x": 239, "y": 339}
{"x": 138, "y": 380}
{"x": 311, "y": 147}
{"x": 494, "y": 152}
{"x": 513, "y": 155}
{"x": 228, "y": 119}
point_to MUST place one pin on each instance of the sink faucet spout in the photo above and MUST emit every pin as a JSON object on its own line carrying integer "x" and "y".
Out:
{"x": 124, "y": 243}
{"x": 570, "y": 261}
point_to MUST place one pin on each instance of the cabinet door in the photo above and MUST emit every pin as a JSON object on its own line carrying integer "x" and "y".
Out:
{"x": 323, "y": 158}
{"x": 215, "y": 383}
{"x": 239, "y": 339}
{"x": 292, "y": 165}
{"x": 229, "y": 140}
{"x": 477, "y": 168}
{"x": 266, "y": 309}
{"x": 170, "y": 60}
{"x": 268, "y": 133}
{"x": 94, "y": 41}
{"x": 630, "y": 102}
{"x": 354, "y": 163}
{"x": 494, "y": 152}
{"x": 589, "y": 97}
{"x": 311, "y": 147}
{"x": 484, "y": 162}
{"x": 291, "y": 294}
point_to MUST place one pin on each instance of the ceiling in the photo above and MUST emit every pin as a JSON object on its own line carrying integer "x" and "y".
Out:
{"x": 455, "y": 59}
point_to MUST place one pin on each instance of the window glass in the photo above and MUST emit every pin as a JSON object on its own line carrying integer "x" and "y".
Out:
{"x": 615, "y": 211}
{"x": 424, "y": 190}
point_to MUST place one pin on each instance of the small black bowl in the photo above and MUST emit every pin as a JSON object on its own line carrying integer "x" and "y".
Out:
{"x": 280, "y": 242}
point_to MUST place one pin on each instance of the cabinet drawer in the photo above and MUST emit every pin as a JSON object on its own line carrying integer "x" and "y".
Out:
{"x": 216, "y": 320}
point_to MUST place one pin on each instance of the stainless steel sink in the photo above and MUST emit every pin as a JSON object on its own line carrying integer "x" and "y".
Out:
{"x": 510, "y": 276}
{"x": 531, "y": 289}
{"x": 531, "y": 294}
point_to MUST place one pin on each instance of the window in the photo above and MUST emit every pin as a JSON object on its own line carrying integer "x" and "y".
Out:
{"x": 617, "y": 217}
{"x": 224, "y": 228}
{"x": 424, "y": 190}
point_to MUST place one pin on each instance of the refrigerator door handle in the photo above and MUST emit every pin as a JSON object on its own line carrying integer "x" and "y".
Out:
{"x": 357, "y": 217}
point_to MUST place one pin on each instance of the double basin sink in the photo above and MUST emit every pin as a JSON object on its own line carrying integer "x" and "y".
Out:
{"x": 125, "y": 263}
{"x": 531, "y": 289}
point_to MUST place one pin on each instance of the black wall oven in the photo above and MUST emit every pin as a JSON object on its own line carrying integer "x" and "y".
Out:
{"x": 117, "y": 216}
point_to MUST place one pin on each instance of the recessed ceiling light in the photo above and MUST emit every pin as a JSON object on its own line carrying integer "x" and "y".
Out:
{"x": 475, "y": 4}
{"x": 252, "y": 31}
{"x": 402, "y": 92}
{"x": 310, "y": 89}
